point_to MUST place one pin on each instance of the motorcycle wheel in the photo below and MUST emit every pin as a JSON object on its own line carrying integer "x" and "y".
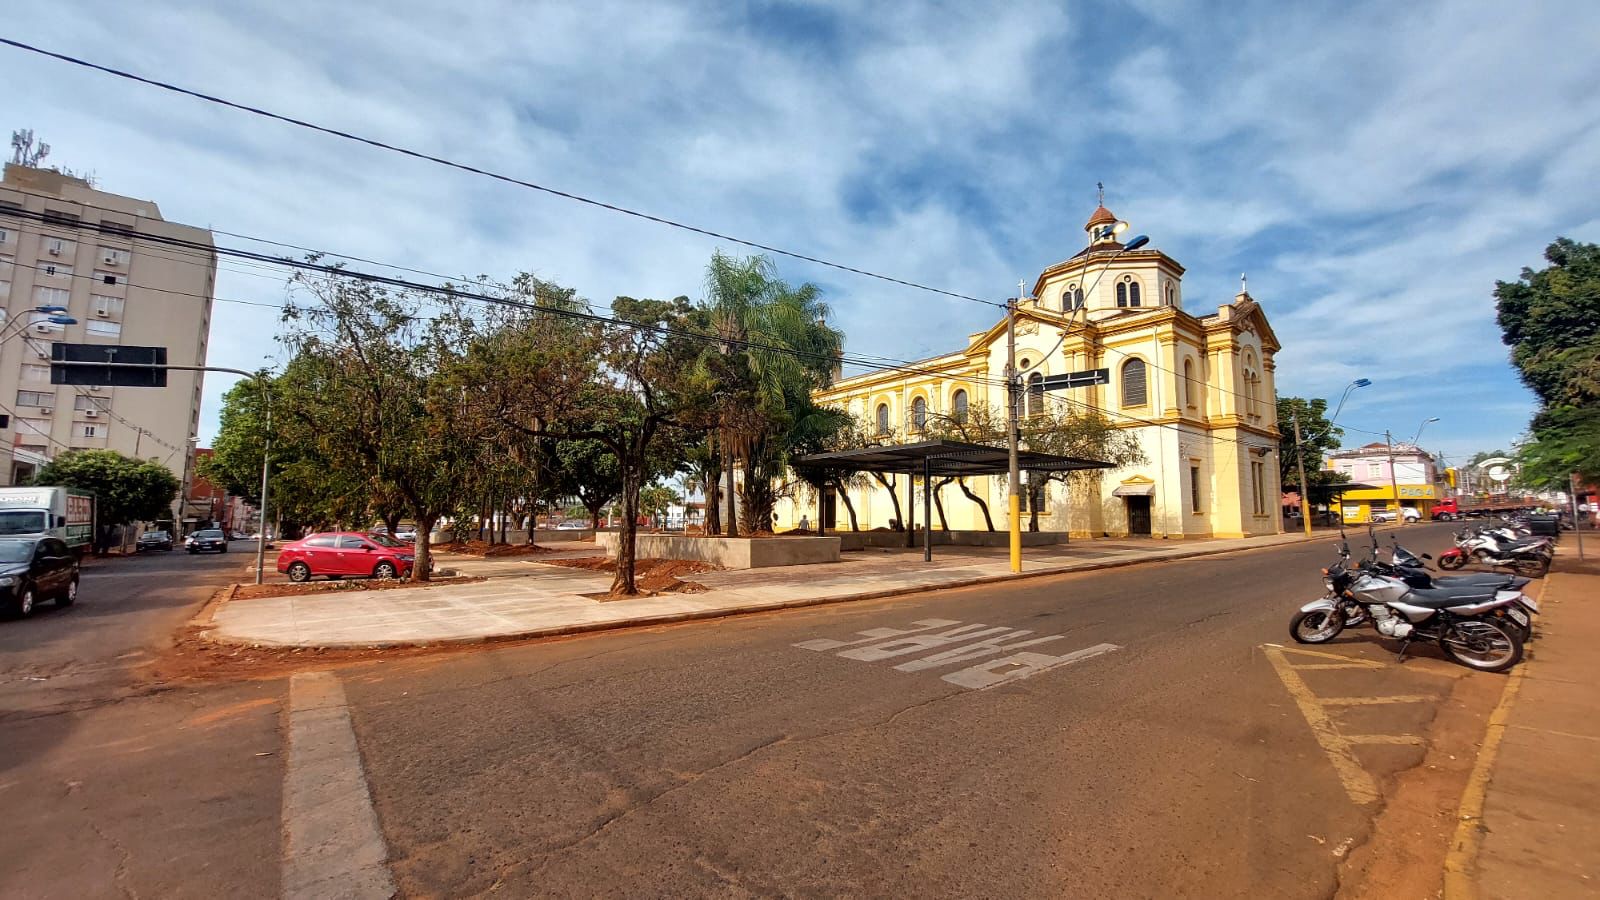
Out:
{"x": 1318, "y": 626}
{"x": 1482, "y": 644}
{"x": 1532, "y": 568}
{"x": 1452, "y": 562}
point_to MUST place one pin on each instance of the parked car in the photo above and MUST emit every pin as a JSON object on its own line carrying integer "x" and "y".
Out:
{"x": 343, "y": 554}
{"x": 34, "y": 569}
{"x": 408, "y": 535}
{"x": 239, "y": 536}
{"x": 153, "y": 540}
{"x": 574, "y": 525}
{"x": 206, "y": 539}
{"x": 1387, "y": 515}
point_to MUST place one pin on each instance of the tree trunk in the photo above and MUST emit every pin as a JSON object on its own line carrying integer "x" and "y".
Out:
{"x": 391, "y": 522}
{"x": 844, "y": 495}
{"x": 424, "y": 555}
{"x": 938, "y": 504}
{"x": 594, "y": 515}
{"x": 894, "y": 497}
{"x": 623, "y": 583}
{"x": 988, "y": 520}
{"x": 505, "y": 521}
{"x": 732, "y": 525}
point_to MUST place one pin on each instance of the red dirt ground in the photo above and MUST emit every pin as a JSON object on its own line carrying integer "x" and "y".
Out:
{"x": 486, "y": 549}
{"x": 651, "y": 576}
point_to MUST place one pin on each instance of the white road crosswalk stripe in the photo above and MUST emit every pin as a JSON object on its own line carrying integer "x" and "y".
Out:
{"x": 977, "y": 641}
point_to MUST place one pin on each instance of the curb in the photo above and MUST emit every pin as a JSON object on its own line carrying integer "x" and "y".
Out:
{"x": 700, "y": 615}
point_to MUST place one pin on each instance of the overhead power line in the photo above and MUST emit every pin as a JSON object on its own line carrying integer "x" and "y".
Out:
{"x": 464, "y": 167}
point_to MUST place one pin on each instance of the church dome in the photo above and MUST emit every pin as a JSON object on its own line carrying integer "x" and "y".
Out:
{"x": 1101, "y": 216}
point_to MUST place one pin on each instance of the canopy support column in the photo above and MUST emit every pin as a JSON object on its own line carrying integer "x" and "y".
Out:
{"x": 927, "y": 509}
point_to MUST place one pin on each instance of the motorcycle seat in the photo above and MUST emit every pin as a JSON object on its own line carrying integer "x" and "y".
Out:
{"x": 1453, "y": 595}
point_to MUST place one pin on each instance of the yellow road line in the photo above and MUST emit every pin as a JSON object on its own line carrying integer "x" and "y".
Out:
{"x": 1357, "y": 783}
{"x": 1458, "y": 862}
{"x": 1364, "y": 663}
{"x": 1374, "y": 701}
{"x": 1319, "y": 667}
{"x": 1383, "y": 739}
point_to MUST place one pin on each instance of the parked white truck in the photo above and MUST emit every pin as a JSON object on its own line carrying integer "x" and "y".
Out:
{"x": 60, "y": 512}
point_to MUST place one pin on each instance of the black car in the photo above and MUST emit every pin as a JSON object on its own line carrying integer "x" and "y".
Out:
{"x": 34, "y": 569}
{"x": 207, "y": 539}
{"x": 154, "y": 540}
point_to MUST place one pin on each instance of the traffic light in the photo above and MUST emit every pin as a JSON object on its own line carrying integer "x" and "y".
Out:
{"x": 1450, "y": 476}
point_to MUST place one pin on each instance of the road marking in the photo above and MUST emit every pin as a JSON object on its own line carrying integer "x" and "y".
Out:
{"x": 1383, "y": 739}
{"x": 1463, "y": 853}
{"x": 977, "y": 641}
{"x": 332, "y": 843}
{"x": 1357, "y": 783}
{"x": 1374, "y": 701}
{"x": 1024, "y": 665}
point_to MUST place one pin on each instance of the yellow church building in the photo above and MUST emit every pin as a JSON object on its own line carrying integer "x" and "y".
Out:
{"x": 1197, "y": 391}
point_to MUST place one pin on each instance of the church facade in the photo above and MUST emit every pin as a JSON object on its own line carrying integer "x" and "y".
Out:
{"x": 1196, "y": 391}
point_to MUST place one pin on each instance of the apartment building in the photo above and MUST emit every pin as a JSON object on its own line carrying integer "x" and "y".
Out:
{"x": 66, "y": 246}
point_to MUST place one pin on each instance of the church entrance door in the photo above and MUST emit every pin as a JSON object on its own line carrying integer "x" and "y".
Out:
{"x": 1138, "y": 514}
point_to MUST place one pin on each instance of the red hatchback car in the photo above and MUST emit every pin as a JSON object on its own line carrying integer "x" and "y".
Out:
{"x": 346, "y": 554}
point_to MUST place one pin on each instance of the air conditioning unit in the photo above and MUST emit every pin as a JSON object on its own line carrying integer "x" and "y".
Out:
{"x": 43, "y": 353}
{"x": 91, "y": 414}
{"x": 55, "y": 249}
{"x": 41, "y": 327}
{"x": 97, "y": 387}
{"x": 46, "y": 410}
{"x": 111, "y": 259}
{"x": 103, "y": 313}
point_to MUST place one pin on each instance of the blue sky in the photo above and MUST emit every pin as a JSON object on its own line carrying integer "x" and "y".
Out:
{"x": 1372, "y": 167}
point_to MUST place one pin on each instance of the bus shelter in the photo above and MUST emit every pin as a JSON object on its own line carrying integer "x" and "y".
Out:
{"x": 931, "y": 459}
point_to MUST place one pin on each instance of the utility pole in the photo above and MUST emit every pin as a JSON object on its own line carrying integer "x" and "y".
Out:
{"x": 1399, "y": 511}
{"x": 266, "y": 457}
{"x": 1300, "y": 460}
{"x": 1013, "y": 497}
{"x": 1577, "y": 523}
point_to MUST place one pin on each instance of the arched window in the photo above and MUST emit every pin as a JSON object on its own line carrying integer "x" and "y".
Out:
{"x": 1133, "y": 289}
{"x": 883, "y": 418}
{"x": 1072, "y": 298}
{"x": 1188, "y": 383}
{"x": 1133, "y": 383}
{"x": 919, "y": 414}
{"x": 958, "y": 404}
{"x": 1172, "y": 293}
{"x": 1122, "y": 293}
{"x": 1035, "y": 394}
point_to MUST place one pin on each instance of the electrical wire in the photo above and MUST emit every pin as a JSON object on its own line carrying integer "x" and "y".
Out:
{"x": 464, "y": 167}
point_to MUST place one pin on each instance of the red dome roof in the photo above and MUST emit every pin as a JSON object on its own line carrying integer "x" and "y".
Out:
{"x": 1101, "y": 216}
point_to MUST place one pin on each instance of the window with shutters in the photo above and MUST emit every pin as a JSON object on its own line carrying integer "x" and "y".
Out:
{"x": 883, "y": 418}
{"x": 958, "y": 403}
{"x": 919, "y": 414}
{"x": 1134, "y": 392}
{"x": 1188, "y": 383}
{"x": 35, "y": 398}
{"x": 1194, "y": 488}
{"x": 1035, "y": 394}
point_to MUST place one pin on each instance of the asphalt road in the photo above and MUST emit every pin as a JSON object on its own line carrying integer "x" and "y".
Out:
{"x": 114, "y": 786}
{"x": 1143, "y": 738}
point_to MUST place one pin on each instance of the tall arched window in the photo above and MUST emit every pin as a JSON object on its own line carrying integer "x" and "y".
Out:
{"x": 919, "y": 414}
{"x": 1133, "y": 383}
{"x": 1188, "y": 383}
{"x": 1122, "y": 293}
{"x": 1133, "y": 289}
{"x": 958, "y": 404}
{"x": 1035, "y": 394}
{"x": 883, "y": 418}
{"x": 1172, "y": 293}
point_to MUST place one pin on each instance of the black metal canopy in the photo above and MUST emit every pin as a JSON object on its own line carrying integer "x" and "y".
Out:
{"x": 942, "y": 457}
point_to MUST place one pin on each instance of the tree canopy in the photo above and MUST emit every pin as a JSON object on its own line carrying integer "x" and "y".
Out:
{"x": 1551, "y": 320}
{"x": 126, "y": 489}
{"x": 1318, "y": 438}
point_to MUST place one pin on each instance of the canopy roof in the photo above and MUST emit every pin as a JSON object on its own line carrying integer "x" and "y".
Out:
{"x": 942, "y": 457}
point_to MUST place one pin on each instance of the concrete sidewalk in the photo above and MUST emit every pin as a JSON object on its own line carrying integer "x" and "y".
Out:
{"x": 526, "y": 598}
{"x": 1540, "y": 819}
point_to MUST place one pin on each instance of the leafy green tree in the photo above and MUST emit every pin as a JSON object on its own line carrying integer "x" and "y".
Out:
{"x": 1318, "y": 438}
{"x": 126, "y": 490}
{"x": 1551, "y": 320}
{"x": 1083, "y": 434}
{"x": 655, "y": 500}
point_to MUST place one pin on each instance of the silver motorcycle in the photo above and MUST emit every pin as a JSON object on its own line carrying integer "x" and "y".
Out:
{"x": 1480, "y": 626}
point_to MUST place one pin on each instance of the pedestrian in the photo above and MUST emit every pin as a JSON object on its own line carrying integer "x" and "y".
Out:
{"x": 805, "y": 523}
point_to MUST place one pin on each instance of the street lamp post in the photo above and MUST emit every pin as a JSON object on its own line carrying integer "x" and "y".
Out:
{"x": 1299, "y": 454}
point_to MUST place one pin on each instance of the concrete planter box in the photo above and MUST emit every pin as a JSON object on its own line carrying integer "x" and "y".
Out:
{"x": 733, "y": 553}
{"x": 861, "y": 540}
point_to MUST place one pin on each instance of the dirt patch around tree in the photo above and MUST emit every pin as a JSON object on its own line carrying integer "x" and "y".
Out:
{"x": 650, "y": 576}
{"x": 295, "y": 589}
{"x": 487, "y": 550}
